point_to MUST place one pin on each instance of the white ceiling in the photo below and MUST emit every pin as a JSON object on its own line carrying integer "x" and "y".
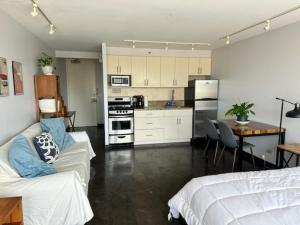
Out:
{"x": 83, "y": 24}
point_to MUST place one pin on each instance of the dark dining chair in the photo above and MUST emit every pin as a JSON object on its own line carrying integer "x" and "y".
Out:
{"x": 212, "y": 135}
{"x": 229, "y": 140}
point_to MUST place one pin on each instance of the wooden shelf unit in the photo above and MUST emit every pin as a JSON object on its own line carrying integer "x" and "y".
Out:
{"x": 46, "y": 86}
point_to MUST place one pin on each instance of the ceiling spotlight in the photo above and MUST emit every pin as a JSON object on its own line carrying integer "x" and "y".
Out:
{"x": 167, "y": 47}
{"x": 268, "y": 25}
{"x": 51, "y": 29}
{"x": 227, "y": 40}
{"x": 193, "y": 47}
{"x": 34, "y": 11}
{"x": 133, "y": 44}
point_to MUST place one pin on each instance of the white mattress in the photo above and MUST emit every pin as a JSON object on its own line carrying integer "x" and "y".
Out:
{"x": 254, "y": 198}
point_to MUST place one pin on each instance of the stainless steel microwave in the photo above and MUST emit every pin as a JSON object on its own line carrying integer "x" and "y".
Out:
{"x": 117, "y": 80}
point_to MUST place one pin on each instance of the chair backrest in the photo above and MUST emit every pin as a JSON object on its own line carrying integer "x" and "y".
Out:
{"x": 211, "y": 130}
{"x": 227, "y": 136}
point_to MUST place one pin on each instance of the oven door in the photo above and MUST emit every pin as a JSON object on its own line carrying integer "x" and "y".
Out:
{"x": 120, "y": 125}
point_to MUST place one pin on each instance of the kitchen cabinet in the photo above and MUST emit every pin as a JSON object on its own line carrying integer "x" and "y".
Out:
{"x": 139, "y": 71}
{"x": 181, "y": 72}
{"x": 174, "y": 72}
{"x": 119, "y": 65}
{"x": 163, "y": 126}
{"x": 153, "y": 72}
{"x": 167, "y": 71}
{"x": 199, "y": 66}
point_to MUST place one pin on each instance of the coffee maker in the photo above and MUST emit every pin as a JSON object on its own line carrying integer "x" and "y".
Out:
{"x": 138, "y": 101}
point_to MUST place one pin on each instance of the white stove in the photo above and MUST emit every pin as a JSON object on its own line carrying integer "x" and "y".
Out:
{"x": 120, "y": 117}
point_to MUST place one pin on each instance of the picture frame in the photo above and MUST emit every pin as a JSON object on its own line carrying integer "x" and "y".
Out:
{"x": 18, "y": 78}
{"x": 4, "y": 83}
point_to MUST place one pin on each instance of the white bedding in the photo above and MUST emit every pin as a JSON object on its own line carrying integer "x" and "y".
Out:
{"x": 254, "y": 198}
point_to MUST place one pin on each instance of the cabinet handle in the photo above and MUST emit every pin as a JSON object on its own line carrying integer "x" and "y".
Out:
{"x": 200, "y": 70}
{"x": 149, "y": 123}
{"x": 149, "y": 135}
{"x": 179, "y": 120}
{"x": 149, "y": 114}
{"x": 147, "y": 82}
{"x": 120, "y": 69}
{"x": 176, "y": 82}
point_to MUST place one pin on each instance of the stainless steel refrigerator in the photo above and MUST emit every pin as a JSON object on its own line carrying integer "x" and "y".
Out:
{"x": 202, "y": 95}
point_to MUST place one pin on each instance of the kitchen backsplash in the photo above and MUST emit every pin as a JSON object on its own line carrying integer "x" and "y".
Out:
{"x": 153, "y": 94}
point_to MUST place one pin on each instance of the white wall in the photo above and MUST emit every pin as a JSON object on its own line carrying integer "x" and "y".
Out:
{"x": 259, "y": 70}
{"x": 61, "y": 70}
{"x": 18, "y": 44}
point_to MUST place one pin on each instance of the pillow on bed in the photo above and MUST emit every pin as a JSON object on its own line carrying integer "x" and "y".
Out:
{"x": 46, "y": 147}
{"x": 23, "y": 159}
{"x": 56, "y": 127}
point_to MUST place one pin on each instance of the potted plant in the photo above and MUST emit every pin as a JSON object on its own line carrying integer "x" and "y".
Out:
{"x": 241, "y": 111}
{"x": 45, "y": 62}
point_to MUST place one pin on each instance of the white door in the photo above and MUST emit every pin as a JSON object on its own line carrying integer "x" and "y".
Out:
{"x": 81, "y": 83}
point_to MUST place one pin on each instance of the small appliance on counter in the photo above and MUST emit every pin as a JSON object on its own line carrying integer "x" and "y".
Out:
{"x": 138, "y": 101}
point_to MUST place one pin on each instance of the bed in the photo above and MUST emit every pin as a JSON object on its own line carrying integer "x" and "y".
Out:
{"x": 269, "y": 197}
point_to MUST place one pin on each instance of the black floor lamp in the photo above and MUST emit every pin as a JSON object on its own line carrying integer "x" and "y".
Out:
{"x": 295, "y": 113}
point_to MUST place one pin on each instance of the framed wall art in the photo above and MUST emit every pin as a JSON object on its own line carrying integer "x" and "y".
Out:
{"x": 4, "y": 88}
{"x": 18, "y": 78}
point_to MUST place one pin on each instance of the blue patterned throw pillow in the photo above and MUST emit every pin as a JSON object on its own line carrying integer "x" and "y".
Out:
{"x": 46, "y": 147}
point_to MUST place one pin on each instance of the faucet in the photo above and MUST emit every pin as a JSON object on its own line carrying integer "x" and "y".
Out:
{"x": 173, "y": 96}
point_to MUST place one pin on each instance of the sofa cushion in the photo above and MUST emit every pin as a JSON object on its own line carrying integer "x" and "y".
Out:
{"x": 46, "y": 147}
{"x": 22, "y": 158}
{"x": 56, "y": 127}
{"x": 75, "y": 158}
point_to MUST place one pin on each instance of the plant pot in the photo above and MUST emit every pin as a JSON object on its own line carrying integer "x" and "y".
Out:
{"x": 242, "y": 118}
{"x": 47, "y": 70}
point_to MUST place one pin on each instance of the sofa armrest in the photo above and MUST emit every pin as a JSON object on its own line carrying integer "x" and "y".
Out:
{"x": 51, "y": 199}
{"x": 83, "y": 137}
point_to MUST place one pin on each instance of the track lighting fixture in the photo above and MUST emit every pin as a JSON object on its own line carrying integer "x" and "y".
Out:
{"x": 268, "y": 25}
{"x": 34, "y": 11}
{"x": 51, "y": 29}
{"x": 166, "y": 43}
{"x": 227, "y": 40}
{"x": 167, "y": 47}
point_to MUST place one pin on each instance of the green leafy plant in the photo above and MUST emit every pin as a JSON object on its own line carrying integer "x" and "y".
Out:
{"x": 45, "y": 60}
{"x": 243, "y": 109}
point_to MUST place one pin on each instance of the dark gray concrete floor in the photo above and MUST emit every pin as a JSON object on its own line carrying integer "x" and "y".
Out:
{"x": 132, "y": 186}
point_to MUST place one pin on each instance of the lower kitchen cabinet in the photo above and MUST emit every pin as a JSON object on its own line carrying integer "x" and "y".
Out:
{"x": 162, "y": 126}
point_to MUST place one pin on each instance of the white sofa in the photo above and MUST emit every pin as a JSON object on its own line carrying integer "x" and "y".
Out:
{"x": 57, "y": 199}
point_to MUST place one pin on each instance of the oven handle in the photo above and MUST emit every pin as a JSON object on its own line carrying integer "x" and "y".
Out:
{"x": 122, "y": 136}
{"x": 124, "y": 116}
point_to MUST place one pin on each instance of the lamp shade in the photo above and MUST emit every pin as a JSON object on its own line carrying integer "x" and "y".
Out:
{"x": 295, "y": 113}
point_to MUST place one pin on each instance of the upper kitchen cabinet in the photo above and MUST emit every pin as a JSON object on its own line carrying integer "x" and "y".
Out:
{"x": 119, "y": 65}
{"x": 167, "y": 75}
{"x": 153, "y": 72}
{"x": 181, "y": 72}
{"x": 139, "y": 71}
{"x": 174, "y": 72}
{"x": 199, "y": 66}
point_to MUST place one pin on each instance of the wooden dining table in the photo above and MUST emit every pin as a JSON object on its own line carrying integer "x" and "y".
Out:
{"x": 254, "y": 129}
